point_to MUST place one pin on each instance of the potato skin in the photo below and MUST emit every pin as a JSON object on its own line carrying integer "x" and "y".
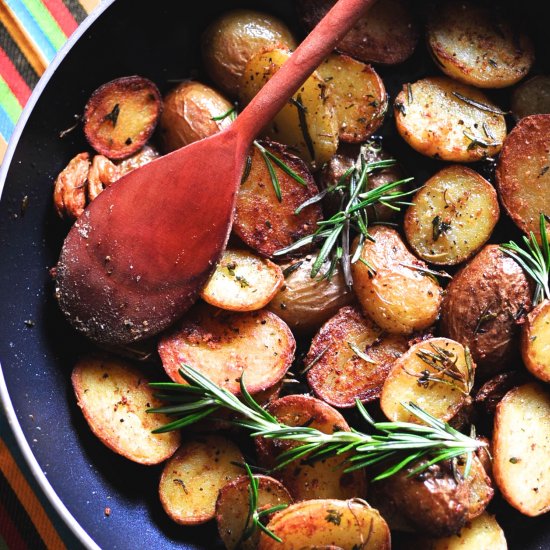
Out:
{"x": 531, "y": 97}
{"x": 482, "y": 307}
{"x": 535, "y": 342}
{"x": 233, "y": 38}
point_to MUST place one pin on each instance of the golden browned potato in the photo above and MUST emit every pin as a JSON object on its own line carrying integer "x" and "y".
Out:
{"x": 482, "y": 307}
{"x": 305, "y": 303}
{"x": 193, "y": 477}
{"x": 304, "y": 480}
{"x": 396, "y": 295}
{"x": 264, "y": 222}
{"x": 225, "y": 346}
{"x": 521, "y": 447}
{"x": 452, "y": 216}
{"x": 478, "y": 46}
{"x": 233, "y": 507}
{"x": 350, "y": 357}
{"x": 346, "y": 524}
{"x": 532, "y": 97}
{"x": 308, "y": 121}
{"x": 121, "y": 116}
{"x": 386, "y": 34}
{"x": 190, "y": 110}
{"x": 114, "y": 397}
{"x": 242, "y": 281}
{"x": 523, "y": 175}
{"x": 69, "y": 194}
{"x": 535, "y": 342}
{"x": 480, "y": 490}
{"x": 436, "y": 374}
{"x": 359, "y": 95}
{"x": 445, "y": 119}
{"x": 233, "y": 38}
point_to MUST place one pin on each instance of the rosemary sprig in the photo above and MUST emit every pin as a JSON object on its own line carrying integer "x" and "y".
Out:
{"x": 535, "y": 260}
{"x": 479, "y": 105}
{"x": 433, "y": 440}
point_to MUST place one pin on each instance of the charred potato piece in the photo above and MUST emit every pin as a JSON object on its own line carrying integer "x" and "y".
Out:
{"x": 305, "y": 303}
{"x": 445, "y": 119}
{"x": 324, "y": 478}
{"x": 523, "y": 175}
{"x": 478, "y": 46}
{"x": 121, "y": 116}
{"x": 69, "y": 194}
{"x": 396, "y": 295}
{"x": 192, "y": 112}
{"x": 192, "y": 478}
{"x": 387, "y": 34}
{"x": 436, "y": 374}
{"x": 242, "y": 281}
{"x": 225, "y": 346}
{"x": 114, "y": 397}
{"x": 535, "y": 342}
{"x": 262, "y": 221}
{"x": 308, "y": 122}
{"x": 482, "y": 307}
{"x": 453, "y": 216}
{"x": 233, "y": 507}
{"x": 233, "y": 38}
{"x": 350, "y": 357}
{"x": 521, "y": 447}
{"x": 532, "y": 97}
{"x": 311, "y": 524}
{"x": 359, "y": 96}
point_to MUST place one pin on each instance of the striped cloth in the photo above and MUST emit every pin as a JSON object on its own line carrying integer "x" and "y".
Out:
{"x": 31, "y": 32}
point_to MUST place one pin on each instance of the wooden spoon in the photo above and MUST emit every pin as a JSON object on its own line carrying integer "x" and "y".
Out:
{"x": 135, "y": 260}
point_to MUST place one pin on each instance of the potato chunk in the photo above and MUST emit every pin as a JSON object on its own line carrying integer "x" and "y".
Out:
{"x": 535, "y": 342}
{"x": 452, "y": 216}
{"x": 521, "y": 447}
{"x": 114, "y": 397}
{"x": 445, "y": 119}
{"x": 532, "y": 97}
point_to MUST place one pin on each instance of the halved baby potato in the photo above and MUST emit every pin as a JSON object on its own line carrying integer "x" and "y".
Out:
{"x": 121, "y": 116}
{"x": 242, "y": 281}
{"x": 532, "y": 97}
{"x": 114, "y": 396}
{"x": 435, "y": 374}
{"x": 192, "y": 478}
{"x": 445, "y": 119}
{"x": 359, "y": 96}
{"x": 226, "y": 346}
{"x": 521, "y": 447}
{"x": 477, "y": 46}
{"x": 452, "y": 216}
{"x": 350, "y": 357}
{"x": 535, "y": 342}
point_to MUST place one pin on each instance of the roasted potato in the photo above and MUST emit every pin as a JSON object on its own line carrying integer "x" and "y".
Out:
{"x": 121, "y": 116}
{"x": 304, "y": 480}
{"x": 308, "y": 122}
{"x": 396, "y": 295}
{"x": 445, "y": 119}
{"x": 233, "y": 38}
{"x": 386, "y": 34}
{"x": 305, "y": 303}
{"x": 192, "y": 112}
{"x": 359, "y": 96}
{"x": 522, "y": 174}
{"x": 350, "y": 357}
{"x": 436, "y": 374}
{"x": 521, "y": 447}
{"x": 532, "y": 97}
{"x": 264, "y": 222}
{"x": 480, "y": 490}
{"x": 242, "y": 281}
{"x": 345, "y": 524}
{"x": 225, "y": 346}
{"x": 477, "y": 46}
{"x": 452, "y": 216}
{"x": 193, "y": 477}
{"x": 482, "y": 307}
{"x": 233, "y": 507}
{"x": 535, "y": 342}
{"x": 114, "y": 397}
{"x": 69, "y": 193}
{"x": 492, "y": 392}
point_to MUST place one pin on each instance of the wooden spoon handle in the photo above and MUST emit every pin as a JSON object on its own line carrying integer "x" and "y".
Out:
{"x": 307, "y": 57}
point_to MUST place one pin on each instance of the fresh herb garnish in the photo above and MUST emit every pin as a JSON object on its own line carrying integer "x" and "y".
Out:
{"x": 113, "y": 115}
{"x": 230, "y": 113}
{"x": 479, "y": 105}
{"x": 439, "y": 227}
{"x": 476, "y": 141}
{"x": 302, "y": 111}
